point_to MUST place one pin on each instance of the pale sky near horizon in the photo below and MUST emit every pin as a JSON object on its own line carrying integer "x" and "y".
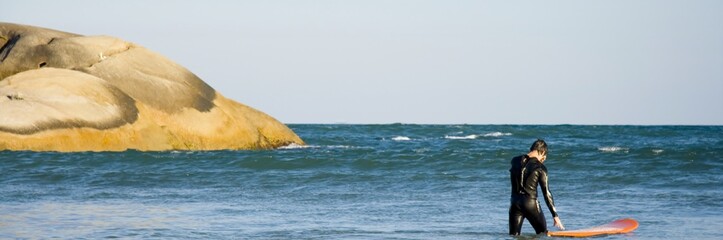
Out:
{"x": 444, "y": 62}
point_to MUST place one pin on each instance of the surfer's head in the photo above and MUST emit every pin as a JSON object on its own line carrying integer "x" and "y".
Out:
{"x": 540, "y": 146}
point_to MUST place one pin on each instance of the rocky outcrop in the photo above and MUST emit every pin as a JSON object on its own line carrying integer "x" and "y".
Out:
{"x": 66, "y": 92}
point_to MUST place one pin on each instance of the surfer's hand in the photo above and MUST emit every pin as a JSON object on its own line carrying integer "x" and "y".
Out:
{"x": 558, "y": 223}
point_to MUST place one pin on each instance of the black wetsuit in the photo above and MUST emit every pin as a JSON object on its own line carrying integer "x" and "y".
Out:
{"x": 525, "y": 174}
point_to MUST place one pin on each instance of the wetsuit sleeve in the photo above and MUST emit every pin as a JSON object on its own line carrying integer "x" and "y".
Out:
{"x": 546, "y": 192}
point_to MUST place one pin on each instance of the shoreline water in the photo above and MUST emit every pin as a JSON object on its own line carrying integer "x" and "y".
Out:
{"x": 356, "y": 181}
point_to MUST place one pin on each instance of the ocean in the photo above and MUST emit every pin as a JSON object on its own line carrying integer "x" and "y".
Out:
{"x": 394, "y": 181}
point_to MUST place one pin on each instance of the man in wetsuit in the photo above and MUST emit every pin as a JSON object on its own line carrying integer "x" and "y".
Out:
{"x": 526, "y": 173}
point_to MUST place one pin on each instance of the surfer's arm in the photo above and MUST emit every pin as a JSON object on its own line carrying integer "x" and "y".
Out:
{"x": 546, "y": 192}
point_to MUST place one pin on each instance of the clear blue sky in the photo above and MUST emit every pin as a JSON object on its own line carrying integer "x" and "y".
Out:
{"x": 477, "y": 62}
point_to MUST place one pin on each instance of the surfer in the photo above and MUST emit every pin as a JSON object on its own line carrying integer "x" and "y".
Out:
{"x": 526, "y": 173}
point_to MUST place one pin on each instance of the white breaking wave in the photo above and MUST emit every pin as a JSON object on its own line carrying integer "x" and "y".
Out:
{"x": 401, "y": 138}
{"x": 461, "y": 137}
{"x": 297, "y": 146}
{"x": 474, "y": 136}
{"x": 613, "y": 149}
{"x": 497, "y": 134}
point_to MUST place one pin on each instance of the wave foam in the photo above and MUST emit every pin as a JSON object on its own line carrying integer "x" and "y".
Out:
{"x": 461, "y": 137}
{"x": 474, "y": 136}
{"x": 613, "y": 149}
{"x": 497, "y": 134}
{"x": 401, "y": 138}
{"x": 297, "y": 146}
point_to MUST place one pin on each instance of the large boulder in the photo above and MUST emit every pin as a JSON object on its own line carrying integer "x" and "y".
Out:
{"x": 66, "y": 92}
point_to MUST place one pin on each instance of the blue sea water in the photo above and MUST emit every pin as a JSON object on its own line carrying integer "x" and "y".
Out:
{"x": 394, "y": 181}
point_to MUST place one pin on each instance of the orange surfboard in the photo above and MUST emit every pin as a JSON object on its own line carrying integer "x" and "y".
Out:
{"x": 625, "y": 225}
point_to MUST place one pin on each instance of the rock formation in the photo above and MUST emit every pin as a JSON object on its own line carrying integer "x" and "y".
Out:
{"x": 66, "y": 92}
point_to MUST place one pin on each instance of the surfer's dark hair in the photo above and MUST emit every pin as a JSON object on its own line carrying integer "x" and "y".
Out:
{"x": 539, "y": 146}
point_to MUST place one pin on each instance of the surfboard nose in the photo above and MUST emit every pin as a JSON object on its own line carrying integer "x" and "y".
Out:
{"x": 619, "y": 226}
